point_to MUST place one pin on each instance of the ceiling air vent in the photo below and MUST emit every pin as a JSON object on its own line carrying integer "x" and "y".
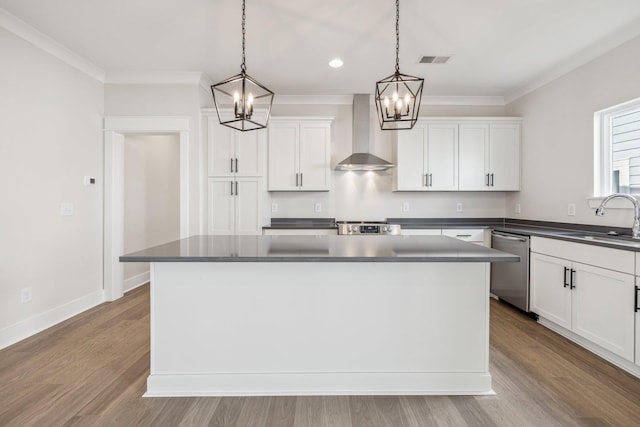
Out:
{"x": 434, "y": 59}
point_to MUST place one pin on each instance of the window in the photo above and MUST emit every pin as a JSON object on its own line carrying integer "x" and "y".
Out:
{"x": 617, "y": 131}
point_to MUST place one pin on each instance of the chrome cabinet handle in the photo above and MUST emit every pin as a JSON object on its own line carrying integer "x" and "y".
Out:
{"x": 463, "y": 235}
{"x": 635, "y": 304}
{"x": 566, "y": 282}
{"x": 231, "y": 182}
{"x": 426, "y": 179}
{"x": 297, "y": 180}
{"x": 236, "y": 164}
{"x": 300, "y": 179}
{"x": 231, "y": 170}
{"x": 487, "y": 180}
{"x": 237, "y": 188}
{"x": 492, "y": 180}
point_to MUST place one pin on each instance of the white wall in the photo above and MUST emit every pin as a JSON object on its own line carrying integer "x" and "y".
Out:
{"x": 50, "y": 137}
{"x": 151, "y": 197}
{"x": 367, "y": 195}
{"x": 558, "y": 140}
{"x": 166, "y": 100}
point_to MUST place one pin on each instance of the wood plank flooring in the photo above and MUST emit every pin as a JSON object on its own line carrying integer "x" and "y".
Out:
{"x": 91, "y": 371}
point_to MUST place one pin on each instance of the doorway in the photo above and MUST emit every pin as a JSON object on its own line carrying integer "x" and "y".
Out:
{"x": 116, "y": 130}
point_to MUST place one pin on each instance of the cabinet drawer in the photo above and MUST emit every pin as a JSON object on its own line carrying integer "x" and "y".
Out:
{"x": 611, "y": 259}
{"x": 466, "y": 234}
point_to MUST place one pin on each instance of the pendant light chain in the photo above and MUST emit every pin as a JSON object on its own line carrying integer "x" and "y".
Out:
{"x": 397, "y": 36}
{"x": 243, "y": 67}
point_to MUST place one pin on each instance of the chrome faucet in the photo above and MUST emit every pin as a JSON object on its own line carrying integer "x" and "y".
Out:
{"x": 635, "y": 229}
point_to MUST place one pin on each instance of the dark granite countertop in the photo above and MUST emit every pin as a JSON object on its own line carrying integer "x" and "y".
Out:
{"x": 426, "y": 223}
{"x": 319, "y": 249}
{"x": 301, "y": 224}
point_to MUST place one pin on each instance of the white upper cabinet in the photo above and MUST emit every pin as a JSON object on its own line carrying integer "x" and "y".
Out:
{"x": 427, "y": 158}
{"x": 299, "y": 155}
{"x": 234, "y": 153}
{"x": 474, "y": 160}
{"x": 489, "y": 156}
{"x": 459, "y": 155}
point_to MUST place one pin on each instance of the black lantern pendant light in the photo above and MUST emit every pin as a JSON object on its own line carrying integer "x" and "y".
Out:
{"x": 242, "y": 103}
{"x": 398, "y": 96}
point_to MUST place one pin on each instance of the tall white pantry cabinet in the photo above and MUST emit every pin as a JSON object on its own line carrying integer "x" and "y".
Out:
{"x": 235, "y": 184}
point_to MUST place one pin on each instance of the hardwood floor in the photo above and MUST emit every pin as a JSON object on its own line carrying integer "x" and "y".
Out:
{"x": 91, "y": 371}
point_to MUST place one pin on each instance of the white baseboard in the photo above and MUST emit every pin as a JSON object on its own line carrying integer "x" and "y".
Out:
{"x": 135, "y": 281}
{"x": 38, "y": 323}
{"x": 319, "y": 384}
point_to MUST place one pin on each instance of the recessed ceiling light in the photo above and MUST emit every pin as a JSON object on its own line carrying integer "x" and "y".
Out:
{"x": 336, "y": 63}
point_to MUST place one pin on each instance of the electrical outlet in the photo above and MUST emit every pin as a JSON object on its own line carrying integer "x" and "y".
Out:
{"x": 274, "y": 207}
{"x": 571, "y": 209}
{"x": 459, "y": 207}
{"x": 517, "y": 208}
{"x": 317, "y": 207}
{"x": 405, "y": 207}
{"x": 66, "y": 209}
{"x": 25, "y": 295}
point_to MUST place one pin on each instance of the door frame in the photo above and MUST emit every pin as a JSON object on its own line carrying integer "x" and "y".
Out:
{"x": 115, "y": 129}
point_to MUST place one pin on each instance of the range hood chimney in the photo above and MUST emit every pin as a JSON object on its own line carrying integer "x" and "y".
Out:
{"x": 362, "y": 159}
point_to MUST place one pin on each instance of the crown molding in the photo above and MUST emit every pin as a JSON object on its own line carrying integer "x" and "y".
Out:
{"x": 28, "y": 33}
{"x": 588, "y": 54}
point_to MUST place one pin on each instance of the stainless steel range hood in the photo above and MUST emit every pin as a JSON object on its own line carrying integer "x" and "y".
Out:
{"x": 362, "y": 159}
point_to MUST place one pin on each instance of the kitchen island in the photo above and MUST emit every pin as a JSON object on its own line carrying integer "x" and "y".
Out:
{"x": 319, "y": 315}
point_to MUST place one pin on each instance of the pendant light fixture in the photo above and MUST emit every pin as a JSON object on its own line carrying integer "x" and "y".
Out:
{"x": 398, "y": 96}
{"x": 241, "y": 102}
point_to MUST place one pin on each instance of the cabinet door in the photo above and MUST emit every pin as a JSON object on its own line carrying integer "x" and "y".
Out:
{"x": 504, "y": 157}
{"x": 315, "y": 157}
{"x": 411, "y": 152}
{"x": 549, "y": 297}
{"x": 638, "y": 338}
{"x": 442, "y": 157}
{"x": 248, "y": 208}
{"x": 249, "y": 146}
{"x": 221, "y": 206}
{"x": 283, "y": 156}
{"x": 221, "y": 147}
{"x": 473, "y": 146}
{"x": 602, "y": 308}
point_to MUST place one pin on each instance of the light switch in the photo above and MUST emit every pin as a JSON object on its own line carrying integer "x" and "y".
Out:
{"x": 405, "y": 207}
{"x": 459, "y": 207}
{"x": 317, "y": 207}
{"x": 571, "y": 209}
{"x": 66, "y": 209}
{"x": 274, "y": 207}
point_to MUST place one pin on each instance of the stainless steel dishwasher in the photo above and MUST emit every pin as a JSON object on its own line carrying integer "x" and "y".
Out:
{"x": 510, "y": 280}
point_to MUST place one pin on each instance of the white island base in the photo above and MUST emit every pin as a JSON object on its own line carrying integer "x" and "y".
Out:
{"x": 319, "y": 328}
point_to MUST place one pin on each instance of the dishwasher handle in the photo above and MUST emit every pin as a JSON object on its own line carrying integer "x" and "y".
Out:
{"x": 509, "y": 237}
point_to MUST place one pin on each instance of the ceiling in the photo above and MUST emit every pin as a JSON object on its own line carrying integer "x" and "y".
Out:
{"x": 498, "y": 47}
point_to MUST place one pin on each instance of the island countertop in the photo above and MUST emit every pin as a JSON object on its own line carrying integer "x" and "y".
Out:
{"x": 319, "y": 249}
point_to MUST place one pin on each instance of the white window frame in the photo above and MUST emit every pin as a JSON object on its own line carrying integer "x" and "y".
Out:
{"x": 602, "y": 145}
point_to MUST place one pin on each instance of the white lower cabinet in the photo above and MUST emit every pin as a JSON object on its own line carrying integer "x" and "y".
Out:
{"x": 593, "y": 302}
{"x": 235, "y": 206}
